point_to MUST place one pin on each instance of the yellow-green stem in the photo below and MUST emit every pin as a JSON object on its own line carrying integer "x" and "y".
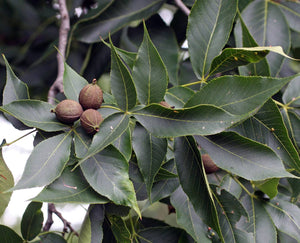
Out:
{"x": 16, "y": 140}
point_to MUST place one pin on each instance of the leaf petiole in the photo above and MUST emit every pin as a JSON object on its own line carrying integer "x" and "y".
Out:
{"x": 16, "y": 140}
{"x": 194, "y": 83}
{"x": 244, "y": 188}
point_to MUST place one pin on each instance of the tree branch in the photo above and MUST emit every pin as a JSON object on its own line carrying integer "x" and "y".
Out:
{"x": 49, "y": 222}
{"x": 183, "y": 8}
{"x": 57, "y": 86}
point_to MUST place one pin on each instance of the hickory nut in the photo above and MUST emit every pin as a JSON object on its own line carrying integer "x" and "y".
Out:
{"x": 91, "y": 96}
{"x": 90, "y": 121}
{"x": 68, "y": 111}
{"x": 209, "y": 165}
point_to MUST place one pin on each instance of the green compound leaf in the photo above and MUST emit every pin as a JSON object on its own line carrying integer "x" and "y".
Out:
{"x": 91, "y": 229}
{"x": 237, "y": 94}
{"x": 243, "y": 157}
{"x": 230, "y": 211}
{"x": 32, "y": 221}
{"x": 8, "y": 235}
{"x": 254, "y": 69}
{"x": 231, "y": 58}
{"x": 122, "y": 86}
{"x": 267, "y": 127}
{"x": 194, "y": 182}
{"x": 178, "y": 96}
{"x": 285, "y": 216}
{"x": 52, "y": 237}
{"x": 107, "y": 173}
{"x": 149, "y": 72}
{"x": 70, "y": 187}
{"x": 150, "y": 152}
{"x": 187, "y": 217}
{"x": 259, "y": 221}
{"x": 110, "y": 129}
{"x": 291, "y": 95}
{"x": 267, "y": 30}
{"x": 6, "y": 182}
{"x": 118, "y": 15}
{"x": 34, "y": 113}
{"x": 201, "y": 120}
{"x": 46, "y": 162}
{"x": 14, "y": 89}
{"x": 269, "y": 186}
{"x": 124, "y": 144}
{"x": 73, "y": 83}
{"x": 120, "y": 229}
{"x": 209, "y": 26}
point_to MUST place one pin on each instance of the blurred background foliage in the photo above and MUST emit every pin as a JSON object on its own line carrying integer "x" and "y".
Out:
{"x": 29, "y": 36}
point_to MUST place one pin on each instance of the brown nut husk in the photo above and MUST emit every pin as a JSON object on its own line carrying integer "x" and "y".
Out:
{"x": 68, "y": 111}
{"x": 91, "y": 96}
{"x": 165, "y": 104}
{"x": 90, "y": 121}
{"x": 209, "y": 165}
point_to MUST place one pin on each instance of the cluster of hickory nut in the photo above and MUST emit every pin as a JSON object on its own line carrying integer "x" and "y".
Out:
{"x": 90, "y": 99}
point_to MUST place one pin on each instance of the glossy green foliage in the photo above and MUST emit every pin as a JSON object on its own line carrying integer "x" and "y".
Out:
{"x": 32, "y": 221}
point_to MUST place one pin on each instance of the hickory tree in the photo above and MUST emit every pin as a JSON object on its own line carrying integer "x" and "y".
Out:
{"x": 198, "y": 134}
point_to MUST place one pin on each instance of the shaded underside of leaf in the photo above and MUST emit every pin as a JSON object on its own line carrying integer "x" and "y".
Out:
{"x": 291, "y": 12}
{"x": 244, "y": 39}
{"x": 230, "y": 211}
{"x": 291, "y": 95}
{"x": 285, "y": 216}
{"x": 187, "y": 217}
{"x": 260, "y": 222}
{"x": 91, "y": 229}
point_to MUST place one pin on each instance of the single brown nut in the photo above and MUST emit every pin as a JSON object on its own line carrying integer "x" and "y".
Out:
{"x": 90, "y": 121}
{"x": 209, "y": 165}
{"x": 68, "y": 111}
{"x": 91, "y": 96}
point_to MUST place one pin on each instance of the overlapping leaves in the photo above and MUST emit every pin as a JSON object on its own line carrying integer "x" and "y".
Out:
{"x": 266, "y": 30}
{"x": 119, "y": 14}
{"x": 259, "y": 149}
{"x": 208, "y": 31}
